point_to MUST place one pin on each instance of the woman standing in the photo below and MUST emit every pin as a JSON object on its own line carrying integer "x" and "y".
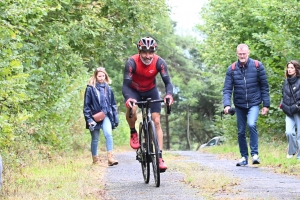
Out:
{"x": 289, "y": 105}
{"x": 100, "y": 97}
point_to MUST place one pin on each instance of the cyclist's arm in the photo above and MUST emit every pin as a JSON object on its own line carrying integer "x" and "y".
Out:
{"x": 129, "y": 70}
{"x": 161, "y": 66}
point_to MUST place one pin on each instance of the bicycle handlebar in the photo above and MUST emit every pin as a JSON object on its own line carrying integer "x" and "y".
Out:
{"x": 148, "y": 101}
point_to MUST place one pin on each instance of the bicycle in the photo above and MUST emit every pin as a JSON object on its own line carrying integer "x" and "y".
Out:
{"x": 149, "y": 148}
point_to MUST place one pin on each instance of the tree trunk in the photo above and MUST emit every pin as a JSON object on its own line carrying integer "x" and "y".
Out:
{"x": 188, "y": 129}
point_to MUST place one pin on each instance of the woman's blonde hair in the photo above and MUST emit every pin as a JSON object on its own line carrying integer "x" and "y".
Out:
{"x": 93, "y": 79}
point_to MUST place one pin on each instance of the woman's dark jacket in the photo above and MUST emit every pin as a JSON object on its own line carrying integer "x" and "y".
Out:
{"x": 288, "y": 104}
{"x": 249, "y": 87}
{"x": 92, "y": 105}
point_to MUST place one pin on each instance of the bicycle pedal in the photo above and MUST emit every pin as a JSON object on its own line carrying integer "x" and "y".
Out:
{"x": 139, "y": 155}
{"x": 162, "y": 170}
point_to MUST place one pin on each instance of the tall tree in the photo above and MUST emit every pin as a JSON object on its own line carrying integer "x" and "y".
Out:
{"x": 268, "y": 27}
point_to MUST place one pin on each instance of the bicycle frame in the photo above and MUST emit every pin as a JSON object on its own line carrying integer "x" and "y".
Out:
{"x": 147, "y": 135}
{"x": 146, "y": 118}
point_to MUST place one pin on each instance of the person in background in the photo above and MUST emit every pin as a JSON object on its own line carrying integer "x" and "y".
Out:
{"x": 139, "y": 84}
{"x": 289, "y": 105}
{"x": 250, "y": 88}
{"x": 100, "y": 97}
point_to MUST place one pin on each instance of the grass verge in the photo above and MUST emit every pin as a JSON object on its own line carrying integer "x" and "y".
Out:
{"x": 272, "y": 155}
{"x": 67, "y": 177}
{"x": 207, "y": 181}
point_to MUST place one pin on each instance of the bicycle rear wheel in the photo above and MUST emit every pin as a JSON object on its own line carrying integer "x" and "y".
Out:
{"x": 144, "y": 154}
{"x": 154, "y": 152}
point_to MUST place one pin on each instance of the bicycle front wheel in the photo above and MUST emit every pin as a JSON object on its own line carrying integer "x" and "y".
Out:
{"x": 154, "y": 152}
{"x": 145, "y": 164}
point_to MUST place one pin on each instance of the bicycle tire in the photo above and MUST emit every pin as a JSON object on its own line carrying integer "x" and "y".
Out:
{"x": 145, "y": 164}
{"x": 154, "y": 152}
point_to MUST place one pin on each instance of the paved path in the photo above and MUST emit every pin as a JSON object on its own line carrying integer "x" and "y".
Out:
{"x": 125, "y": 181}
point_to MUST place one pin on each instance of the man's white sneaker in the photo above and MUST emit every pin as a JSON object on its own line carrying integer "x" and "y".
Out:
{"x": 242, "y": 162}
{"x": 289, "y": 156}
{"x": 255, "y": 159}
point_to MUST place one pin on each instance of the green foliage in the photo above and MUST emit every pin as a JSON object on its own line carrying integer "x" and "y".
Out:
{"x": 196, "y": 96}
{"x": 268, "y": 27}
{"x": 48, "y": 52}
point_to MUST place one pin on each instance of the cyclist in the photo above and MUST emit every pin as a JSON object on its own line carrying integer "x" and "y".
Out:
{"x": 139, "y": 84}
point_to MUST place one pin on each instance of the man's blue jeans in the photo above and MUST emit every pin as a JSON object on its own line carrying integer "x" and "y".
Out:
{"x": 107, "y": 130}
{"x": 247, "y": 116}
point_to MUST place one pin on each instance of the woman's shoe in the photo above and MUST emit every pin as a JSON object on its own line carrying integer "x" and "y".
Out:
{"x": 111, "y": 160}
{"x": 96, "y": 160}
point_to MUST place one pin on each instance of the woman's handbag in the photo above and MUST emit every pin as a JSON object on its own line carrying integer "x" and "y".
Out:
{"x": 296, "y": 104}
{"x": 98, "y": 117}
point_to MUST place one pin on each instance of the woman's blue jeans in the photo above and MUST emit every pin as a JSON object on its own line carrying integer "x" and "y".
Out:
{"x": 247, "y": 116}
{"x": 107, "y": 130}
{"x": 291, "y": 125}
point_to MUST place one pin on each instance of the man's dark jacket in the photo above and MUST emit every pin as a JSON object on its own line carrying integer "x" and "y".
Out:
{"x": 249, "y": 87}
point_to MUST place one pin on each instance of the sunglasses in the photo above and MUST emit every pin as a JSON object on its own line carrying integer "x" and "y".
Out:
{"x": 151, "y": 49}
{"x": 100, "y": 69}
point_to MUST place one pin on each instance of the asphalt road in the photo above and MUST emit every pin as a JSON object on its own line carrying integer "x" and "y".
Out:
{"x": 125, "y": 181}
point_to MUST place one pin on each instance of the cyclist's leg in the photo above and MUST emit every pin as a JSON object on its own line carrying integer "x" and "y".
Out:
{"x": 134, "y": 143}
{"x": 155, "y": 110}
{"x": 131, "y": 121}
{"x": 159, "y": 132}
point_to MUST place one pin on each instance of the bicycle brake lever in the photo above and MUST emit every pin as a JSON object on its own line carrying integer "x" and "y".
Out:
{"x": 168, "y": 105}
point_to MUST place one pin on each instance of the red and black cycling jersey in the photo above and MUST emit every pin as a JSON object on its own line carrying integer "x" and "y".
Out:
{"x": 141, "y": 77}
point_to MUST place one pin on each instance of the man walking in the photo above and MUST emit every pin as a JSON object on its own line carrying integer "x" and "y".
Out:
{"x": 247, "y": 80}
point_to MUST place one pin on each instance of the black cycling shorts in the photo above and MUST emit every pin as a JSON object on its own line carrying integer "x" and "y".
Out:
{"x": 142, "y": 96}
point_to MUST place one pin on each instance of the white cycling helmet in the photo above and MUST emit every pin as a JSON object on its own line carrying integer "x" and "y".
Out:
{"x": 147, "y": 44}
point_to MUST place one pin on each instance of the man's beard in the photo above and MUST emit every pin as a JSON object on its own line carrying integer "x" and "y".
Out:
{"x": 150, "y": 61}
